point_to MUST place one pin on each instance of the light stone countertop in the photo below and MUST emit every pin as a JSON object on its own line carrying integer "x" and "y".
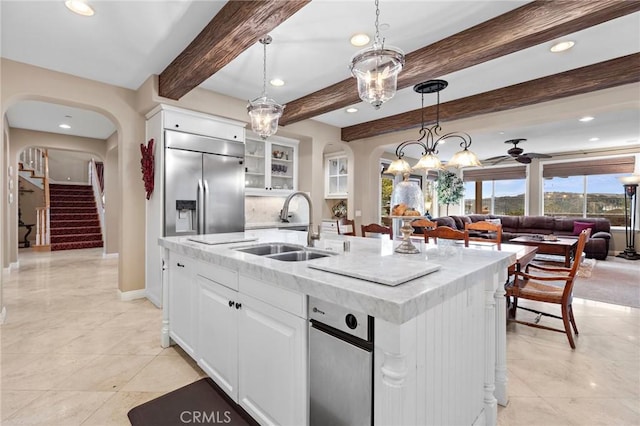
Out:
{"x": 459, "y": 268}
{"x": 267, "y": 225}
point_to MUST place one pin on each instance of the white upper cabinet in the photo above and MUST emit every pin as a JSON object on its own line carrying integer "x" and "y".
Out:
{"x": 336, "y": 171}
{"x": 271, "y": 166}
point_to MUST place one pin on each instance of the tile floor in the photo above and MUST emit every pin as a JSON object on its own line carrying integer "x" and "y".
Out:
{"x": 73, "y": 354}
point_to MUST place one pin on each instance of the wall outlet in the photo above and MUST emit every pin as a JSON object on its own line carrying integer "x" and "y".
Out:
{"x": 358, "y": 213}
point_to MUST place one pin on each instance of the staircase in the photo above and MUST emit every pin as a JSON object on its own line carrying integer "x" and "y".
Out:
{"x": 74, "y": 217}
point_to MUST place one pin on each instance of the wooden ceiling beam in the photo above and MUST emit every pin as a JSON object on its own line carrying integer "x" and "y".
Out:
{"x": 603, "y": 75}
{"x": 238, "y": 26}
{"x": 527, "y": 26}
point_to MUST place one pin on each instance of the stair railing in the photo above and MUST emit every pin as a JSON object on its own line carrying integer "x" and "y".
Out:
{"x": 33, "y": 159}
{"x": 43, "y": 214}
{"x": 97, "y": 194}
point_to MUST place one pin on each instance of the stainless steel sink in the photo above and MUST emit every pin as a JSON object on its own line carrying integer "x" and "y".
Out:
{"x": 284, "y": 251}
{"x": 298, "y": 256}
{"x": 270, "y": 248}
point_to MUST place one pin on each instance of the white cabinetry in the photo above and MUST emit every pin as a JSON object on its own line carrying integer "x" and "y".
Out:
{"x": 271, "y": 166}
{"x": 249, "y": 336}
{"x": 218, "y": 334}
{"x": 272, "y": 374}
{"x": 336, "y": 171}
{"x": 182, "y": 299}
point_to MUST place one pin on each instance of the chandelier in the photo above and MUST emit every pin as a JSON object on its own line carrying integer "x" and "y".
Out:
{"x": 376, "y": 68}
{"x": 430, "y": 138}
{"x": 264, "y": 112}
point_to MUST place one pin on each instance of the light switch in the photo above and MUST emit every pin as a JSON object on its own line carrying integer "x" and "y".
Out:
{"x": 358, "y": 213}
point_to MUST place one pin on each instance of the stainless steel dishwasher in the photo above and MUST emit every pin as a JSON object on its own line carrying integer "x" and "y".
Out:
{"x": 340, "y": 364}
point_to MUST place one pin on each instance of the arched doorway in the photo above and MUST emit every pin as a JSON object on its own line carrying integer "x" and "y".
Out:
{"x": 71, "y": 137}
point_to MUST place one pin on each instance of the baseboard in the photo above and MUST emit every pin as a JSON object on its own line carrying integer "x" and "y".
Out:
{"x": 3, "y": 315}
{"x": 127, "y": 296}
{"x": 110, "y": 255}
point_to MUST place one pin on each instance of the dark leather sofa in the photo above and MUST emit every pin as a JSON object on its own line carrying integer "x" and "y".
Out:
{"x": 515, "y": 226}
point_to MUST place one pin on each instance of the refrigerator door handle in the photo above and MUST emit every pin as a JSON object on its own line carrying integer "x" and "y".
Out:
{"x": 204, "y": 207}
{"x": 200, "y": 212}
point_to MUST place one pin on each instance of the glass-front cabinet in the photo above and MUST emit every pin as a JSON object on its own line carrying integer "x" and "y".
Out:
{"x": 271, "y": 166}
{"x": 336, "y": 176}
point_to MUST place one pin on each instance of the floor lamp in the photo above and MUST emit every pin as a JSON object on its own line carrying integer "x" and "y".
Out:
{"x": 630, "y": 184}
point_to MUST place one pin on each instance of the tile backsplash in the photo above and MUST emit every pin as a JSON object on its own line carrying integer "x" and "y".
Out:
{"x": 267, "y": 209}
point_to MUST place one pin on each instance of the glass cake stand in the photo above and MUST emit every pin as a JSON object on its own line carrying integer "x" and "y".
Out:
{"x": 407, "y": 247}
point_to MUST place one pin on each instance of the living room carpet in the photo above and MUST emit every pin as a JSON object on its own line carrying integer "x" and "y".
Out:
{"x": 613, "y": 280}
{"x": 201, "y": 402}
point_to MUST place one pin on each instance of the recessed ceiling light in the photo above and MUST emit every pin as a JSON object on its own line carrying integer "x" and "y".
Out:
{"x": 80, "y": 7}
{"x": 562, "y": 46}
{"x": 277, "y": 82}
{"x": 351, "y": 110}
{"x": 502, "y": 133}
{"x": 586, "y": 118}
{"x": 384, "y": 26}
{"x": 64, "y": 126}
{"x": 594, "y": 139}
{"x": 360, "y": 40}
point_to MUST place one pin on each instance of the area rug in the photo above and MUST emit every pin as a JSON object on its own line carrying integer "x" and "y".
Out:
{"x": 201, "y": 402}
{"x": 613, "y": 280}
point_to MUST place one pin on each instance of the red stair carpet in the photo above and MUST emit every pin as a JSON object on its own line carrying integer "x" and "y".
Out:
{"x": 74, "y": 217}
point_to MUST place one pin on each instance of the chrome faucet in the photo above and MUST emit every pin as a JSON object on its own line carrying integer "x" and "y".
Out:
{"x": 284, "y": 216}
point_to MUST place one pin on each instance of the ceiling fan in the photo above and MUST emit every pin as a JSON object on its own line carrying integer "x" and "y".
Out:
{"x": 517, "y": 154}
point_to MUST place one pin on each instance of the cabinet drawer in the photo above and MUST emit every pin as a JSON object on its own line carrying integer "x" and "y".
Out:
{"x": 329, "y": 226}
{"x": 176, "y": 260}
{"x": 287, "y": 300}
{"x": 201, "y": 124}
{"x": 219, "y": 274}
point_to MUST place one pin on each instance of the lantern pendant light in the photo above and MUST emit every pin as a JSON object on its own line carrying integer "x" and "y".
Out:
{"x": 263, "y": 111}
{"x": 376, "y": 68}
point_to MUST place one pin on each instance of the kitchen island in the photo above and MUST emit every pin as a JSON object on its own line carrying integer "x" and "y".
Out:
{"x": 439, "y": 342}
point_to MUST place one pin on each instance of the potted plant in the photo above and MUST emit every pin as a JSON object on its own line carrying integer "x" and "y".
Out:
{"x": 450, "y": 188}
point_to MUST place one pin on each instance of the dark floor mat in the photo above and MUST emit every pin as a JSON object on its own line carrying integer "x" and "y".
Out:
{"x": 201, "y": 402}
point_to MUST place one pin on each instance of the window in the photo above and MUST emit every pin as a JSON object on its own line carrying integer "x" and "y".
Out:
{"x": 587, "y": 188}
{"x": 499, "y": 191}
{"x": 586, "y": 196}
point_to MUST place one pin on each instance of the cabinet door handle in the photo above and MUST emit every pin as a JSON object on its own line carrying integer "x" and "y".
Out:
{"x": 180, "y": 265}
{"x": 231, "y": 303}
{"x": 238, "y": 305}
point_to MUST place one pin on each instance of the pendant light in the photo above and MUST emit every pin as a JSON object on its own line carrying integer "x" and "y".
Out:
{"x": 264, "y": 112}
{"x": 376, "y": 68}
{"x": 430, "y": 138}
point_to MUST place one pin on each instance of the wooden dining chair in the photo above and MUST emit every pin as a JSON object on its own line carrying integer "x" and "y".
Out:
{"x": 446, "y": 233}
{"x": 423, "y": 224}
{"x": 346, "y": 226}
{"x": 374, "y": 228}
{"x": 493, "y": 232}
{"x": 535, "y": 287}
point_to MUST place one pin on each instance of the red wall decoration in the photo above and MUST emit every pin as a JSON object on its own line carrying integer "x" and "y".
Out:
{"x": 147, "y": 167}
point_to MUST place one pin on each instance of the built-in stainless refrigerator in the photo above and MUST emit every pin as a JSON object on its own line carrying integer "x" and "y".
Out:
{"x": 204, "y": 185}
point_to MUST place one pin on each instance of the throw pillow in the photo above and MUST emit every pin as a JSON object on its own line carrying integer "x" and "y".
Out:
{"x": 578, "y": 227}
{"x": 494, "y": 221}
